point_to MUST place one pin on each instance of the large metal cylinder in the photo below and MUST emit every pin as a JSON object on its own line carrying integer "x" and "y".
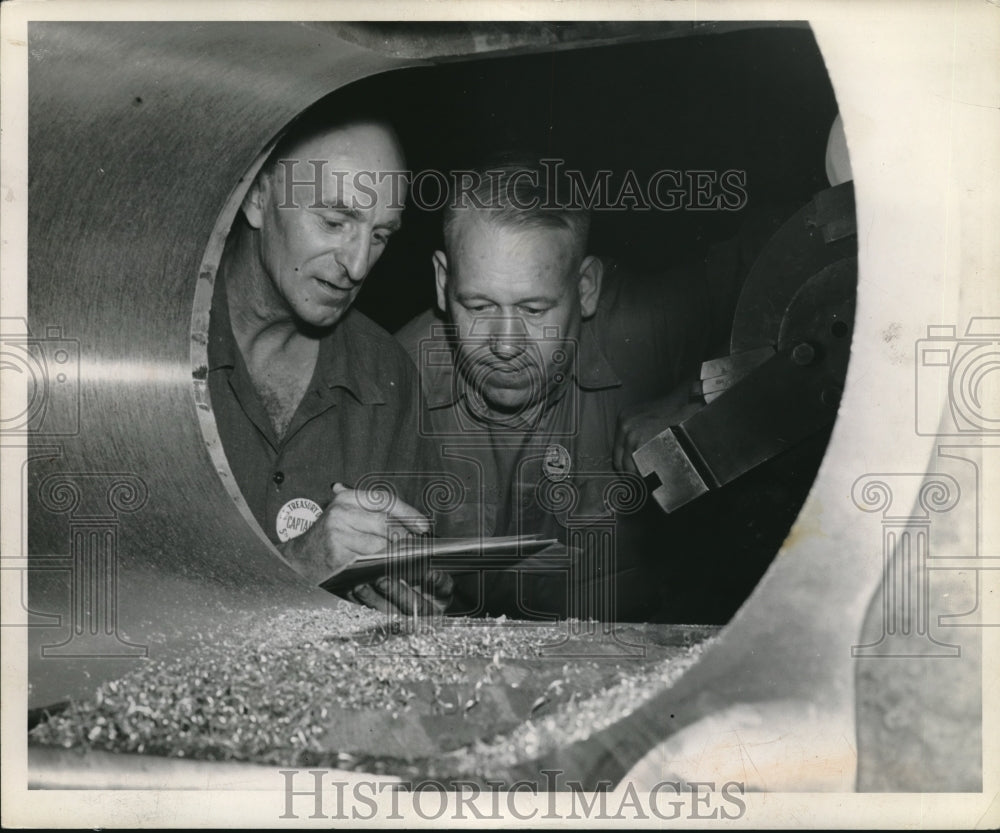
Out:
{"x": 139, "y": 135}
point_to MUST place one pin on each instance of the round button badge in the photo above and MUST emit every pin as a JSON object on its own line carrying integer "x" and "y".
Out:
{"x": 557, "y": 463}
{"x": 295, "y": 517}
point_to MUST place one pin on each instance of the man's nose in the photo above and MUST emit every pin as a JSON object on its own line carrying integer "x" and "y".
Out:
{"x": 354, "y": 257}
{"x": 508, "y": 338}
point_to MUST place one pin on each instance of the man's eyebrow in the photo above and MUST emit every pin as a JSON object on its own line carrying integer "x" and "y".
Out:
{"x": 352, "y": 212}
{"x": 475, "y": 296}
{"x": 343, "y": 208}
{"x": 538, "y": 299}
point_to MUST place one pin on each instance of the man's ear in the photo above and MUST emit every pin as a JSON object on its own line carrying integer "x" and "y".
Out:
{"x": 441, "y": 278}
{"x": 253, "y": 203}
{"x": 591, "y": 274}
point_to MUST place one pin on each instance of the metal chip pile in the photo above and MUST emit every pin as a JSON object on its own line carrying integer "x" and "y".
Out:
{"x": 576, "y": 721}
{"x": 278, "y": 693}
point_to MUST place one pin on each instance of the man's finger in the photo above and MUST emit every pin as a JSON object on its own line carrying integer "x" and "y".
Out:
{"x": 363, "y": 511}
{"x": 368, "y": 595}
{"x": 439, "y": 587}
{"x": 438, "y": 583}
{"x": 350, "y": 540}
{"x": 404, "y": 597}
{"x": 438, "y": 605}
{"x": 409, "y": 517}
{"x": 618, "y": 451}
{"x": 350, "y": 516}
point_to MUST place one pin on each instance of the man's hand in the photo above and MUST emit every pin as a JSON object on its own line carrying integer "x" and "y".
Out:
{"x": 638, "y": 425}
{"x": 431, "y": 598}
{"x": 346, "y": 529}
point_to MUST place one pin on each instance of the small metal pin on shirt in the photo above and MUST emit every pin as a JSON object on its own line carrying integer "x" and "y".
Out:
{"x": 557, "y": 463}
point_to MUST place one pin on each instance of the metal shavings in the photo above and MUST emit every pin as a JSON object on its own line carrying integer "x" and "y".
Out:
{"x": 574, "y": 721}
{"x": 267, "y": 696}
{"x": 271, "y": 694}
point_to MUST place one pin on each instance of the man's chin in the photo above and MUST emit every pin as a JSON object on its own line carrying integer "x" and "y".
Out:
{"x": 508, "y": 402}
{"x": 321, "y": 319}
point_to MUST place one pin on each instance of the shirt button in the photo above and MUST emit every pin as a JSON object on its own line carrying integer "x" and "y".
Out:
{"x": 278, "y": 478}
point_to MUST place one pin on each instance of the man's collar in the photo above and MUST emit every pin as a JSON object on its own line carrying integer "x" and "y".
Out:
{"x": 594, "y": 371}
{"x": 439, "y": 385}
{"x": 435, "y": 361}
{"x": 348, "y": 358}
{"x": 221, "y": 342}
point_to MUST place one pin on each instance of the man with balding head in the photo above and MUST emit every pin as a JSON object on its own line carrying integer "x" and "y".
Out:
{"x": 309, "y": 395}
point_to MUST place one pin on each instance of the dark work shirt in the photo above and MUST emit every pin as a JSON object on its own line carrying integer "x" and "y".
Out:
{"x": 357, "y": 419}
{"x": 556, "y": 478}
{"x": 648, "y": 335}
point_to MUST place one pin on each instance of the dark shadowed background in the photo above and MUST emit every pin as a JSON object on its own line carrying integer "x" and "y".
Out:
{"x": 755, "y": 100}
